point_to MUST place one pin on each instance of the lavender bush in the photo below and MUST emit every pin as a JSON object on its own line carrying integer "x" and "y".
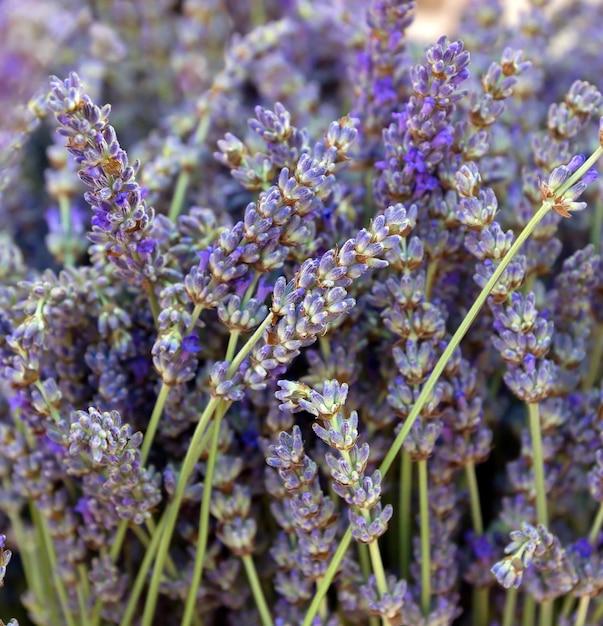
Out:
{"x": 294, "y": 332}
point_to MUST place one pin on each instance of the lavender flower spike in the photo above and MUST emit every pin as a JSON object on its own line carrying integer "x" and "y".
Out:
{"x": 122, "y": 220}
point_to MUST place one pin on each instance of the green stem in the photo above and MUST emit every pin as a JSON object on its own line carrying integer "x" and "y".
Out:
{"x": 232, "y": 344}
{"x": 546, "y": 613}
{"x": 194, "y": 319}
{"x": 480, "y": 606}
{"x": 405, "y": 497}
{"x": 568, "y": 606}
{"x": 44, "y": 567}
{"x": 476, "y": 509}
{"x": 529, "y": 612}
{"x": 428, "y": 388}
{"x": 598, "y": 614}
{"x": 149, "y": 435}
{"x": 481, "y": 595}
{"x": 256, "y": 590}
{"x": 510, "y": 604}
{"x": 582, "y": 611}
{"x": 325, "y": 347}
{"x": 379, "y": 572}
{"x": 365, "y": 560}
{"x": 425, "y": 545}
{"x": 83, "y": 593}
{"x": 325, "y": 583}
{"x": 244, "y": 351}
{"x": 456, "y": 339}
{"x": 27, "y": 552}
{"x": 179, "y": 195}
{"x": 258, "y": 13}
{"x": 203, "y": 534}
{"x": 187, "y": 467}
{"x": 365, "y": 568}
{"x": 172, "y": 512}
{"x": 153, "y": 302}
{"x": 118, "y": 541}
{"x": 53, "y": 564}
{"x": 596, "y": 528}
{"x": 136, "y": 589}
{"x": 203, "y": 127}
{"x": 541, "y": 504}
{"x": 147, "y": 442}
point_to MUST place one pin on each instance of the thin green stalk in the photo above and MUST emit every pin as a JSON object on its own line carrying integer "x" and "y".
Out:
{"x": 203, "y": 533}
{"x": 546, "y": 607}
{"x": 53, "y": 564}
{"x": 425, "y": 545}
{"x": 536, "y": 436}
{"x": 596, "y": 528}
{"x": 365, "y": 560}
{"x": 378, "y": 572}
{"x": 27, "y": 552}
{"x": 203, "y": 127}
{"x": 152, "y": 296}
{"x": 456, "y": 339}
{"x": 568, "y": 606}
{"x": 136, "y": 590}
{"x": 510, "y": 604}
{"x": 256, "y": 590}
{"x": 83, "y": 592}
{"x": 476, "y": 509}
{"x": 546, "y": 613}
{"x": 187, "y": 467}
{"x": 246, "y": 349}
{"x": 182, "y": 182}
{"x": 598, "y": 615}
{"x": 325, "y": 583}
{"x": 147, "y": 442}
{"x": 405, "y": 497}
{"x": 258, "y": 13}
{"x": 431, "y": 383}
{"x": 145, "y": 541}
{"x": 365, "y": 568}
{"x": 232, "y": 344}
{"x": 149, "y": 435}
{"x": 43, "y": 565}
{"x": 480, "y": 594}
{"x": 172, "y": 512}
{"x": 118, "y": 540}
{"x": 480, "y": 606}
{"x": 529, "y": 612}
{"x": 582, "y": 611}
{"x": 194, "y": 319}
{"x": 325, "y": 346}
{"x": 65, "y": 213}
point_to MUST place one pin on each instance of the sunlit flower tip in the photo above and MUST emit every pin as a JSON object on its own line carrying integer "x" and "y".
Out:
{"x": 601, "y": 132}
{"x": 507, "y": 573}
{"x": 564, "y": 204}
{"x": 576, "y": 162}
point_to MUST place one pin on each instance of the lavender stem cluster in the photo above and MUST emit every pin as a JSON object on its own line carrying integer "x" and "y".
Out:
{"x": 308, "y": 320}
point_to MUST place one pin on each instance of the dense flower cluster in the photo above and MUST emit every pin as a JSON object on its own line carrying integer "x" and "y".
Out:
{"x": 309, "y": 336}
